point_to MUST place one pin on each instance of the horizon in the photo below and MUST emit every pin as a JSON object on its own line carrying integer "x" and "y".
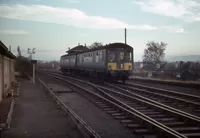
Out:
{"x": 168, "y": 58}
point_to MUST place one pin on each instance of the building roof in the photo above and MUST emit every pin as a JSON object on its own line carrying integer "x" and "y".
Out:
{"x": 169, "y": 67}
{"x": 78, "y": 48}
{"x": 4, "y": 50}
{"x": 149, "y": 67}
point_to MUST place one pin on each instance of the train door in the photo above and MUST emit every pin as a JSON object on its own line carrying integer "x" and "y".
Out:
{"x": 120, "y": 56}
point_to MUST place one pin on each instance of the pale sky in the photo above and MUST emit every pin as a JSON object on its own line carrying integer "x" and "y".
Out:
{"x": 51, "y": 26}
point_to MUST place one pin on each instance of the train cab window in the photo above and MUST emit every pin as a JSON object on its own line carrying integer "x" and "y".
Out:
{"x": 121, "y": 55}
{"x": 128, "y": 56}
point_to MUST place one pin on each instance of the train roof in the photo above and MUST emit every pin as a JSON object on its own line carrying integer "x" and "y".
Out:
{"x": 107, "y": 46}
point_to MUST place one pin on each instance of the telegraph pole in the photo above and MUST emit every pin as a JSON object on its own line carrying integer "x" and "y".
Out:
{"x": 125, "y": 35}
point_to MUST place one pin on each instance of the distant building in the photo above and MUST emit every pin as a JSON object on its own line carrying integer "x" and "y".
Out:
{"x": 138, "y": 65}
{"x": 76, "y": 49}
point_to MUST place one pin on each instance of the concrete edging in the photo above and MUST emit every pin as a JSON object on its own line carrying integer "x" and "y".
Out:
{"x": 10, "y": 114}
{"x": 6, "y": 125}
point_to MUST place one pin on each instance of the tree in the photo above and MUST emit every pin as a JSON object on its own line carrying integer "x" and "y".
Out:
{"x": 22, "y": 63}
{"x": 154, "y": 53}
{"x": 95, "y": 45}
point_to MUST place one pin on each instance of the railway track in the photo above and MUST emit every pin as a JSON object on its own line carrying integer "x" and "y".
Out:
{"x": 140, "y": 116}
{"x": 182, "y": 122}
{"x": 186, "y": 102}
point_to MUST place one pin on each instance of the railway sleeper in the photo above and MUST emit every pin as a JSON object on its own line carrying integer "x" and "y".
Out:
{"x": 150, "y": 136}
{"x": 142, "y": 131}
{"x": 147, "y": 110}
{"x": 173, "y": 123}
{"x": 113, "y": 111}
{"x": 117, "y": 114}
{"x": 157, "y": 116}
{"x": 140, "y": 108}
{"x": 103, "y": 106}
{"x": 187, "y": 129}
{"x": 125, "y": 121}
{"x": 165, "y": 119}
{"x": 98, "y": 102}
{"x": 132, "y": 125}
{"x": 134, "y": 105}
{"x": 197, "y": 110}
{"x": 180, "y": 105}
{"x": 192, "y": 135}
{"x": 120, "y": 117}
{"x": 151, "y": 113}
{"x": 108, "y": 109}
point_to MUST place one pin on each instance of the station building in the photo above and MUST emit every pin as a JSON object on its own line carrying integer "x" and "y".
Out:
{"x": 7, "y": 70}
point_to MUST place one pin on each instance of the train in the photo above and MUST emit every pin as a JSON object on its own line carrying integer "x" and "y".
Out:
{"x": 113, "y": 61}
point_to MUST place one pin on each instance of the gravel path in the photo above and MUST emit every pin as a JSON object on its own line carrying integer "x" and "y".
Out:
{"x": 194, "y": 91}
{"x": 101, "y": 122}
{"x": 37, "y": 116}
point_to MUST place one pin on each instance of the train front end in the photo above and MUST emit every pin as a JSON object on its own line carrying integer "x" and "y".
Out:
{"x": 120, "y": 61}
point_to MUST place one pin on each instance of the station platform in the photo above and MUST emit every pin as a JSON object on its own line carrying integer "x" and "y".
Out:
{"x": 35, "y": 115}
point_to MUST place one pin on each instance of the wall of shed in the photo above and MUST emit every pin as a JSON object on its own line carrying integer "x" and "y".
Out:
{"x": 1, "y": 77}
{"x": 7, "y": 74}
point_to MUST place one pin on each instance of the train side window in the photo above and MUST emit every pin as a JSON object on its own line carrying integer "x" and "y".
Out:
{"x": 102, "y": 55}
{"x": 77, "y": 58}
{"x": 83, "y": 58}
{"x": 97, "y": 57}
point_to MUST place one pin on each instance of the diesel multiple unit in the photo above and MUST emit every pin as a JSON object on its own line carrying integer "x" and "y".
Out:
{"x": 114, "y": 61}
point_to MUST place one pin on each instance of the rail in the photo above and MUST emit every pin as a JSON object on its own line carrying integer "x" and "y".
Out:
{"x": 163, "y": 90}
{"x": 189, "y": 84}
{"x": 155, "y": 103}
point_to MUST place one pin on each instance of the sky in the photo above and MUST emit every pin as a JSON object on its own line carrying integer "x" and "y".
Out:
{"x": 52, "y": 26}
